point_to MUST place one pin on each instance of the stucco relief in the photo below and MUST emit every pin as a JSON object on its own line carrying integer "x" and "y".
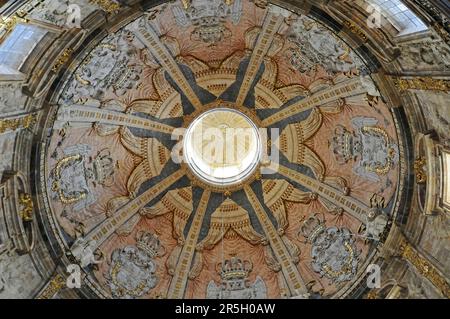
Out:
{"x": 62, "y": 13}
{"x": 11, "y": 97}
{"x": 132, "y": 270}
{"x": 18, "y": 277}
{"x": 316, "y": 46}
{"x": 435, "y": 105}
{"x": 108, "y": 67}
{"x": 425, "y": 55}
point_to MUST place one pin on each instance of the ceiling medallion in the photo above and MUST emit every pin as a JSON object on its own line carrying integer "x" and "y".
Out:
{"x": 222, "y": 148}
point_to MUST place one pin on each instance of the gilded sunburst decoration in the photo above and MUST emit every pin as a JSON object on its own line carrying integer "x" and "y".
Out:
{"x": 240, "y": 151}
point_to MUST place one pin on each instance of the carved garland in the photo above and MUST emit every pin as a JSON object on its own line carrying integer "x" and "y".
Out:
{"x": 425, "y": 268}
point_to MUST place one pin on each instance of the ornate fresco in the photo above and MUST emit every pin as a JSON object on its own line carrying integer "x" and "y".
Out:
{"x": 309, "y": 228}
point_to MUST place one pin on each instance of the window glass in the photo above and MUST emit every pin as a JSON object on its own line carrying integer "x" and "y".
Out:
{"x": 18, "y": 45}
{"x": 400, "y": 16}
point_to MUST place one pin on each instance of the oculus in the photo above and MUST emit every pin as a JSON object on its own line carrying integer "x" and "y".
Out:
{"x": 222, "y": 147}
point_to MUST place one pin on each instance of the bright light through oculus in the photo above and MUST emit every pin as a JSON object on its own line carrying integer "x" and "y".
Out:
{"x": 222, "y": 146}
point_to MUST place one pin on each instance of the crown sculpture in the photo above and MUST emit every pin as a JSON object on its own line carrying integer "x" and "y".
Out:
{"x": 312, "y": 228}
{"x": 234, "y": 274}
{"x": 104, "y": 168}
{"x": 345, "y": 145}
{"x": 150, "y": 244}
{"x": 235, "y": 269}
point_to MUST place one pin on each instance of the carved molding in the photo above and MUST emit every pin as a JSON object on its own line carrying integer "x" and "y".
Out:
{"x": 437, "y": 14}
{"x": 108, "y": 6}
{"x": 430, "y": 170}
{"x": 16, "y": 212}
{"x": 13, "y": 124}
{"x": 421, "y": 176}
{"x": 424, "y": 267}
{"x": 356, "y": 30}
{"x": 56, "y": 284}
{"x": 397, "y": 245}
{"x": 62, "y": 60}
{"x": 8, "y": 24}
{"x": 422, "y": 83}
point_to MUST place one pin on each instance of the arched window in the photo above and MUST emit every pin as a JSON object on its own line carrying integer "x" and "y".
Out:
{"x": 400, "y": 16}
{"x": 17, "y": 47}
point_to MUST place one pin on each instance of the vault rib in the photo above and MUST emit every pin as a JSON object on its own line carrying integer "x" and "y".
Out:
{"x": 151, "y": 40}
{"x": 86, "y": 114}
{"x": 295, "y": 281}
{"x": 351, "y": 205}
{"x": 341, "y": 90}
{"x": 271, "y": 25}
{"x": 103, "y": 231}
{"x": 180, "y": 278}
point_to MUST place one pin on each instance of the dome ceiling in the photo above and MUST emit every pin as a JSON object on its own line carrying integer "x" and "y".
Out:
{"x": 307, "y": 220}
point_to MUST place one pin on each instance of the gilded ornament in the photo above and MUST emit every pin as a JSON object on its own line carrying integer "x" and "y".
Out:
{"x": 54, "y": 286}
{"x": 10, "y": 23}
{"x": 186, "y": 4}
{"x": 373, "y": 294}
{"x": 260, "y": 3}
{"x": 423, "y": 83}
{"x": 441, "y": 32}
{"x": 62, "y": 60}
{"x": 355, "y": 29}
{"x": 16, "y": 123}
{"x": 106, "y": 5}
{"x": 421, "y": 176}
{"x": 27, "y": 207}
{"x": 56, "y": 184}
{"x": 424, "y": 267}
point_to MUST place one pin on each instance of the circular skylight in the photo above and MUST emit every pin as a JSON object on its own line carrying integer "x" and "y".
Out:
{"x": 222, "y": 146}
